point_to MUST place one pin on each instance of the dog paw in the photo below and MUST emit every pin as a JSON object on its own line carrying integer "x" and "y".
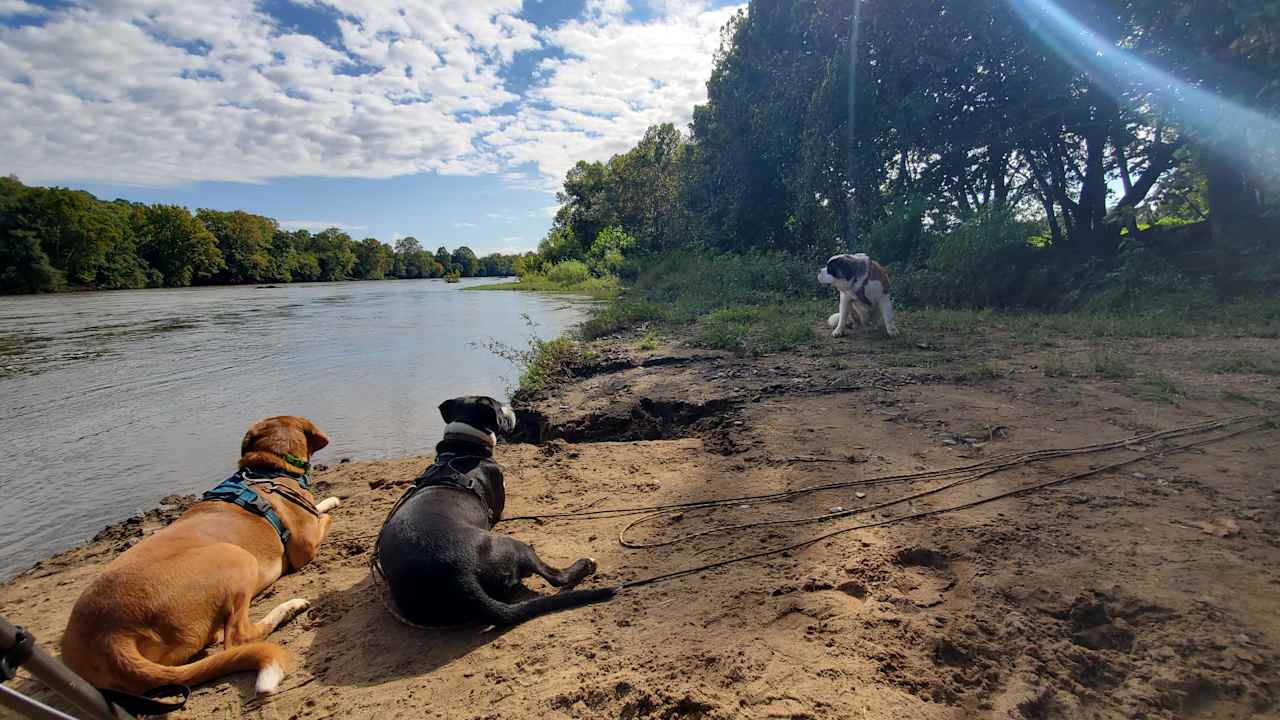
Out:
{"x": 838, "y": 332}
{"x": 592, "y": 565}
{"x": 891, "y": 332}
{"x": 328, "y": 504}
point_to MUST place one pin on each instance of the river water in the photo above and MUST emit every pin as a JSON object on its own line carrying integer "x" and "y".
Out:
{"x": 110, "y": 401}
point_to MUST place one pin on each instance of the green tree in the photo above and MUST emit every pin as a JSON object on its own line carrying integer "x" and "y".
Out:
{"x": 24, "y": 267}
{"x": 75, "y": 230}
{"x": 244, "y": 241}
{"x": 177, "y": 246}
{"x": 467, "y": 262}
{"x": 373, "y": 259}
{"x": 498, "y": 265}
{"x": 415, "y": 262}
{"x": 335, "y": 252}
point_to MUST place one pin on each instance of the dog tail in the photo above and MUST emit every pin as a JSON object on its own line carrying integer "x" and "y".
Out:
{"x": 140, "y": 674}
{"x": 501, "y": 613}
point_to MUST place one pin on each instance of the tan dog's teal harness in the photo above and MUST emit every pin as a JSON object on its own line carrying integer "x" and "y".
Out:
{"x": 237, "y": 491}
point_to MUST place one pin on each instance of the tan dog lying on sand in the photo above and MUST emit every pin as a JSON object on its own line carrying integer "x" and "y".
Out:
{"x": 189, "y": 585}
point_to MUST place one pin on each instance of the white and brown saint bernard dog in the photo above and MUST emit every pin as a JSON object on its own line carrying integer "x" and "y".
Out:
{"x": 863, "y": 286}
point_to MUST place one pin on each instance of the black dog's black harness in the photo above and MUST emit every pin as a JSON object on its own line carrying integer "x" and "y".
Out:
{"x": 451, "y": 471}
{"x": 237, "y": 491}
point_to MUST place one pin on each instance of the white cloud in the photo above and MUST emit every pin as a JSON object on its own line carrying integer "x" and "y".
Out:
{"x": 318, "y": 225}
{"x": 514, "y": 245}
{"x": 463, "y": 224}
{"x": 618, "y": 79}
{"x": 161, "y": 91}
{"x": 20, "y": 7}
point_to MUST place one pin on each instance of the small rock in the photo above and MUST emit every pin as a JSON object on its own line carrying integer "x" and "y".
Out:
{"x": 837, "y": 509}
{"x": 1140, "y": 476}
{"x": 853, "y": 588}
{"x": 860, "y": 495}
{"x": 344, "y": 461}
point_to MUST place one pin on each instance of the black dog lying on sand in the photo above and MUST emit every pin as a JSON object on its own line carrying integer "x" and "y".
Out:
{"x": 437, "y": 559}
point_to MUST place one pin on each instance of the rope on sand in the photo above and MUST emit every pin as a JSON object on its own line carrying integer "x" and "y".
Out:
{"x": 1264, "y": 422}
{"x": 963, "y": 475}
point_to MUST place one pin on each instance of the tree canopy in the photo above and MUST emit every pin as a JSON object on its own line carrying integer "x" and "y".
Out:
{"x": 52, "y": 238}
{"x": 938, "y": 118}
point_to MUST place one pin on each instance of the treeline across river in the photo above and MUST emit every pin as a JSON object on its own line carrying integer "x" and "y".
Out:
{"x": 56, "y": 238}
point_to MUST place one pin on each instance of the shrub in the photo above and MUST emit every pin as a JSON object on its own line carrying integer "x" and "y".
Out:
{"x": 605, "y": 257}
{"x": 900, "y": 239}
{"x": 568, "y": 272}
{"x": 986, "y": 260}
{"x": 1140, "y": 278}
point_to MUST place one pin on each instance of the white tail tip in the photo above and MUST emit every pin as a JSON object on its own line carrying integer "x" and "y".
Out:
{"x": 269, "y": 679}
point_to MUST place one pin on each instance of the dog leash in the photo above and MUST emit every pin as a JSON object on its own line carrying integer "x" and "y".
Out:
{"x": 1261, "y": 421}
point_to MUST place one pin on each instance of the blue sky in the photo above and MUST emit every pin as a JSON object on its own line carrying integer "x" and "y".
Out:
{"x": 452, "y": 121}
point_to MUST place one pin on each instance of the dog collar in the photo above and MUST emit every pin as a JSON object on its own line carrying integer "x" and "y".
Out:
{"x": 297, "y": 462}
{"x": 303, "y": 480}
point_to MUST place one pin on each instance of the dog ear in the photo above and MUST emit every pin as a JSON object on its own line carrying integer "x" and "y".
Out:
{"x": 316, "y": 439}
{"x": 447, "y": 409}
{"x": 250, "y": 437}
{"x": 504, "y": 419}
{"x": 835, "y": 268}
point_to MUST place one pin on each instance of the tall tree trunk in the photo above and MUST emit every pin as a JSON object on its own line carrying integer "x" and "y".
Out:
{"x": 1090, "y": 228}
{"x": 1235, "y": 215}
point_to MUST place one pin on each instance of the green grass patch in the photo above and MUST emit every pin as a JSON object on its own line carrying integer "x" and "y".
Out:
{"x": 1242, "y": 363}
{"x": 1055, "y": 368}
{"x": 599, "y": 288}
{"x": 757, "y": 330}
{"x": 548, "y": 360}
{"x": 1257, "y": 318}
{"x": 620, "y": 314}
{"x": 765, "y": 302}
{"x": 1237, "y": 396}
{"x": 541, "y": 362}
{"x": 978, "y": 374}
{"x": 1158, "y": 387}
{"x": 649, "y": 341}
{"x": 1111, "y": 367}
